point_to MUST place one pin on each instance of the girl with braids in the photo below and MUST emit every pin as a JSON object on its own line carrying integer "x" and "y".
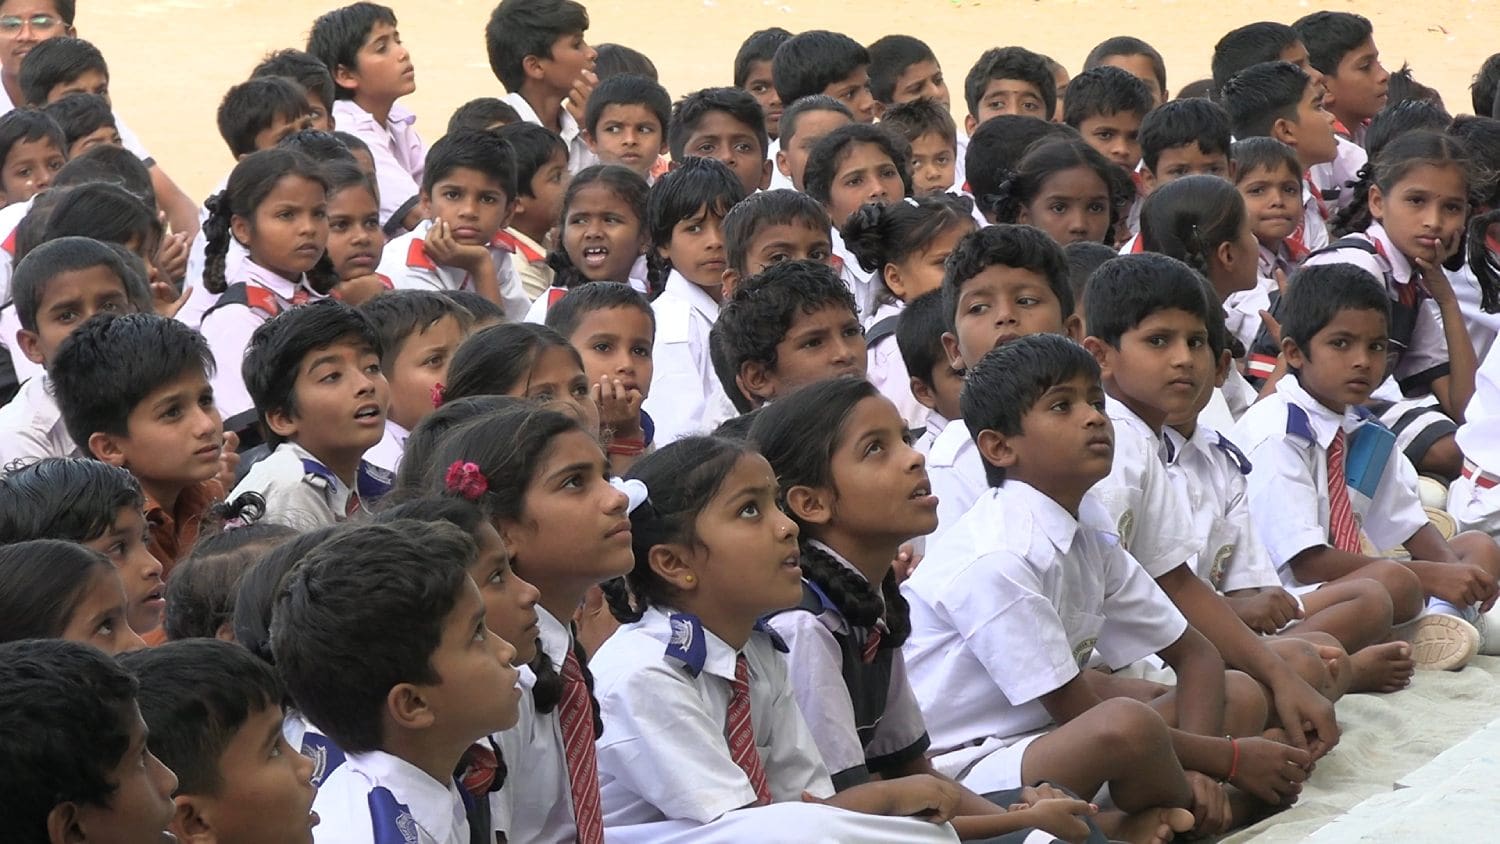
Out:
{"x": 857, "y": 490}
{"x": 1065, "y": 188}
{"x": 601, "y": 235}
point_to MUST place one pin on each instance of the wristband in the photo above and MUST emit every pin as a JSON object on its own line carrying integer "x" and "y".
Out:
{"x": 632, "y": 447}
{"x": 1234, "y": 761}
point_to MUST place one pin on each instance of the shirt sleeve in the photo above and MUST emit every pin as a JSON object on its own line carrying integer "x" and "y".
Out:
{"x": 1396, "y": 512}
{"x": 789, "y": 752}
{"x": 1427, "y": 358}
{"x": 1139, "y": 618}
{"x": 1248, "y": 565}
{"x": 815, "y": 668}
{"x": 1285, "y": 504}
{"x": 228, "y": 331}
{"x": 677, "y": 400}
{"x": 1147, "y": 509}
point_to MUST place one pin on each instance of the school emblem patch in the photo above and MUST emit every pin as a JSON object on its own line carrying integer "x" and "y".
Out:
{"x": 1083, "y": 650}
{"x": 1127, "y": 528}
{"x": 1216, "y": 569}
{"x": 407, "y": 826}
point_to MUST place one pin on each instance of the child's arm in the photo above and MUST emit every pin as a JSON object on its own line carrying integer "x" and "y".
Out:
{"x": 1444, "y": 575}
{"x": 932, "y": 798}
{"x": 474, "y": 260}
{"x": 1454, "y": 390}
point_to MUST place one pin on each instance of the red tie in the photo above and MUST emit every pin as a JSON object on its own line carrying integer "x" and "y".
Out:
{"x": 352, "y": 505}
{"x": 478, "y": 770}
{"x": 741, "y": 732}
{"x": 1344, "y": 529}
{"x": 872, "y": 644}
{"x": 576, "y": 716}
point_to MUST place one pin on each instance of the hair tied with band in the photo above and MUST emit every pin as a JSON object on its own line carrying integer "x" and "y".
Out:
{"x": 466, "y": 480}
{"x": 437, "y": 394}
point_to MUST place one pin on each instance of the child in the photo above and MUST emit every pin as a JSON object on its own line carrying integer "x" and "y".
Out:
{"x": 803, "y": 124}
{"x": 1485, "y": 85}
{"x": 86, "y": 121}
{"x": 1009, "y": 80}
{"x": 201, "y": 596}
{"x": 538, "y": 52}
{"x": 275, "y": 206}
{"x": 311, "y": 74}
{"x": 418, "y": 332}
{"x": 829, "y": 63}
{"x": 421, "y": 678}
{"x": 371, "y": 69}
{"x": 772, "y": 226}
{"x": 355, "y": 239}
{"x": 934, "y": 383}
{"x": 488, "y": 113}
{"x": 416, "y": 472}
{"x": 257, "y": 114}
{"x": 314, "y": 375}
{"x": 467, "y": 187}
{"x": 32, "y": 150}
{"x": 904, "y": 69}
{"x": 77, "y": 747}
{"x": 684, "y": 218}
{"x": 619, "y": 60}
{"x": 1106, "y": 105}
{"x": 726, "y": 124}
{"x": 541, "y": 183}
{"x": 929, "y": 128}
{"x": 58, "y": 590}
{"x": 996, "y": 148}
{"x": 1252, "y": 44}
{"x": 1184, "y": 138}
{"x": 626, "y": 123}
{"x": 752, "y": 74}
{"x": 1066, "y": 188}
{"x": 602, "y": 234}
{"x": 214, "y": 715}
{"x": 1335, "y": 330}
{"x": 1269, "y": 179}
{"x": 1137, "y": 58}
{"x": 527, "y": 361}
{"x": 1083, "y": 258}
{"x": 1341, "y": 45}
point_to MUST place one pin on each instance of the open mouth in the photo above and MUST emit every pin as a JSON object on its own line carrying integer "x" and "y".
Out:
{"x": 368, "y": 413}
{"x": 595, "y": 256}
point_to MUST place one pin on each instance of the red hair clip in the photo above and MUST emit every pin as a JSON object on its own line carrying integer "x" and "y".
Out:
{"x": 466, "y": 480}
{"x": 437, "y": 394}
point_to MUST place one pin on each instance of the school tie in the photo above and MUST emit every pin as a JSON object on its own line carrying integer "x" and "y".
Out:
{"x": 576, "y": 716}
{"x": 352, "y": 505}
{"x": 1341, "y": 524}
{"x": 741, "y": 732}
{"x": 872, "y": 644}
{"x": 478, "y": 769}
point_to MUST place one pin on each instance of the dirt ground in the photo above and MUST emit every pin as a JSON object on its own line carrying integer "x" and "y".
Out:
{"x": 171, "y": 60}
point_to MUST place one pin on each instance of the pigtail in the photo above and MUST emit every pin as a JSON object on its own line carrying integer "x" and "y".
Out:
{"x": 1004, "y": 205}
{"x": 546, "y": 692}
{"x": 855, "y": 597}
{"x": 1195, "y": 252}
{"x": 564, "y": 273}
{"x": 617, "y": 597}
{"x": 243, "y": 510}
{"x": 216, "y": 234}
{"x": 1355, "y": 217}
{"x": 897, "y": 612}
{"x": 657, "y": 270}
{"x": 1482, "y": 262}
{"x": 866, "y": 235}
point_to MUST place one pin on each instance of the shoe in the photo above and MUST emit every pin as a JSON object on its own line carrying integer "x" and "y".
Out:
{"x": 1433, "y": 491}
{"x": 1442, "y": 521}
{"x": 1443, "y": 642}
{"x": 1488, "y": 625}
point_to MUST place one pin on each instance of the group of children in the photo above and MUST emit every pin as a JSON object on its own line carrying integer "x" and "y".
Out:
{"x": 787, "y": 457}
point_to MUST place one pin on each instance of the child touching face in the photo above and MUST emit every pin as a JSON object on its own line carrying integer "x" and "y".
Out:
{"x": 355, "y": 238}
{"x": 58, "y": 590}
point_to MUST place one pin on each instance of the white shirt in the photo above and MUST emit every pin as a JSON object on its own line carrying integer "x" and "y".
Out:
{"x": 579, "y": 154}
{"x": 386, "y": 454}
{"x": 31, "y": 427}
{"x": 1010, "y": 603}
{"x": 956, "y": 472}
{"x": 1333, "y": 180}
{"x": 936, "y": 424}
{"x": 10, "y": 321}
{"x": 1210, "y": 472}
{"x": 201, "y": 300}
{"x": 886, "y": 369}
{"x": 686, "y": 396}
{"x": 1149, "y": 513}
{"x": 400, "y": 156}
{"x": 861, "y": 284}
{"x": 1314, "y": 228}
{"x": 406, "y": 263}
{"x": 300, "y": 491}
{"x": 379, "y": 797}
{"x": 1483, "y": 327}
{"x": 1229, "y": 402}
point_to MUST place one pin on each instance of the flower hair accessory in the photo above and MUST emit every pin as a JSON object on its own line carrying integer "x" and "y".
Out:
{"x": 437, "y": 394}
{"x": 466, "y": 480}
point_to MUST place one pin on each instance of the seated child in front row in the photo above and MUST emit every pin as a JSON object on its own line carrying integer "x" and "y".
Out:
{"x": 934, "y": 383}
{"x": 58, "y": 590}
{"x": 626, "y": 123}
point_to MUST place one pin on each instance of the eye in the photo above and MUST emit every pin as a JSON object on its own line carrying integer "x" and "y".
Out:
{"x": 641, "y": 351}
{"x": 1339, "y": 343}
{"x": 1028, "y": 301}
{"x": 329, "y": 378}
{"x": 875, "y": 447}
{"x": 1097, "y": 404}
{"x": 1098, "y": 208}
{"x": 602, "y": 348}
{"x": 977, "y": 308}
{"x": 1060, "y": 406}
{"x": 818, "y": 255}
{"x": 338, "y": 225}
{"x": 1058, "y": 207}
{"x": 751, "y": 510}
{"x": 496, "y": 577}
{"x": 580, "y": 389}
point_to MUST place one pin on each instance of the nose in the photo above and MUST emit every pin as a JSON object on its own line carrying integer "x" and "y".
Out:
{"x": 305, "y": 767}
{"x": 504, "y": 651}
{"x": 615, "y": 501}
{"x": 713, "y": 235}
{"x": 788, "y": 526}
{"x": 1078, "y": 222}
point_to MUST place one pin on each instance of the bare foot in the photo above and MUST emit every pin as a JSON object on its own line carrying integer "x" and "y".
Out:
{"x": 1152, "y": 826}
{"x": 1386, "y": 667}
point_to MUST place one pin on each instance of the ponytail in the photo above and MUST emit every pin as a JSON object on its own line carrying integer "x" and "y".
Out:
{"x": 216, "y": 234}
{"x": 1483, "y": 263}
{"x": 1189, "y": 218}
{"x": 1355, "y": 217}
{"x": 856, "y": 598}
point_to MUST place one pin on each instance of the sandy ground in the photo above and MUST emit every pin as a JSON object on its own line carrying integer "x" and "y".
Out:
{"x": 171, "y": 60}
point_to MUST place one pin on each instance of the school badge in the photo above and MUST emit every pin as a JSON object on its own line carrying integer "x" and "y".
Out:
{"x": 1083, "y": 650}
{"x": 1216, "y": 568}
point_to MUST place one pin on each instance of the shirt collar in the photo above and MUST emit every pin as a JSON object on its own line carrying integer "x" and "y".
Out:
{"x": 697, "y": 298}
{"x": 435, "y": 806}
{"x": 555, "y": 636}
{"x": 1325, "y": 423}
{"x": 398, "y": 433}
{"x": 692, "y": 644}
{"x": 1121, "y": 412}
{"x": 935, "y": 423}
{"x": 1056, "y": 523}
{"x": 284, "y": 288}
{"x": 1401, "y": 269}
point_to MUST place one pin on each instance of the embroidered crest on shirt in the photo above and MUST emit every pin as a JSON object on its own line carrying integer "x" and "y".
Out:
{"x": 1126, "y": 526}
{"x": 1220, "y": 561}
{"x": 325, "y": 755}
{"x": 1084, "y": 650}
{"x": 391, "y": 821}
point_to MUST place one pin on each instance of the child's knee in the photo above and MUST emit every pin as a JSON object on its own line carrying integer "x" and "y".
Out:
{"x": 1477, "y": 548}
{"x": 1401, "y": 585}
{"x": 1247, "y": 703}
{"x": 1132, "y": 729}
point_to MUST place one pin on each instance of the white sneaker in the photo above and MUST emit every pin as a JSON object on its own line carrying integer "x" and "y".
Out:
{"x": 1442, "y": 642}
{"x": 1488, "y": 625}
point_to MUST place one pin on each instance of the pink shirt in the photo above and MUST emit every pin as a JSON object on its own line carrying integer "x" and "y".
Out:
{"x": 400, "y": 156}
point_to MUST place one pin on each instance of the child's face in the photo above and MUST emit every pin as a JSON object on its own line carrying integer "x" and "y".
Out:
{"x": 1345, "y": 361}
{"x": 941, "y": 392}
{"x": 1187, "y": 160}
{"x": 103, "y": 136}
{"x": 1155, "y": 371}
{"x": 1425, "y": 211}
{"x": 1358, "y": 89}
{"x": 29, "y": 168}
{"x": 602, "y": 234}
{"x": 421, "y": 363}
{"x": 175, "y": 436}
{"x": 571, "y": 55}
{"x": 68, "y": 301}
{"x": 923, "y": 79}
{"x": 1061, "y": 79}
{"x": 141, "y": 806}
{"x": 126, "y": 544}
{"x": 471, "y": 203}
{"x": 1066, "y": 438}
{"x": 355, "y": 238}
{"x": 758, "y": 84}
{"x": 867, "y": 174}
{"x": 922, "y": 272}
{"x": 1072, "y": 205}
{"x": 826, "y": 343}
{"x": 812, "y": 126}
{"x": 1009, "y": 96}
{"x": 1314, "y": 140}
{"x": 997, "y": 306}
{"x": 289, "y": 230}
{"x": 787, "y": 242}
{"x": 88, "y": 82}
{"x": 14, "y": 45}
{"x": 509, "y": 601}
{"x": 281, "y": 126}
{"x": 265, "y": 790}
{"x": 617, "y": 343}
{"x": 880, "y": 482}
{"x": 1273, "y": 202}
{"x": 746, "y": 559}
{"x": 341, "y": 398}
{"x": 100, "y": 617}
{"x": 317, "y": 114}
{"x": 556, "y": 377}
{"x": 541, "y": 211}
{"x": 1116, "y": 136}
{"x": 854, "y": 92}
{"x": 477, "y": 694}
{"x": 1141, "y": 67}
{"x": 696, "y": 250}
{"x": 629, "y": 134}
{"x": 933, "y": 163}
{"x": 382, "y": 68}
{"x": 719, "y": 135}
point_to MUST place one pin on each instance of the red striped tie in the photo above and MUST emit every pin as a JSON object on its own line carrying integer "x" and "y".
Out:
{"x": 1341, "y": 524}
{"x": 741, "y": 732}
{"x": 872, "y": 644}
{"x": 576, "y": 716}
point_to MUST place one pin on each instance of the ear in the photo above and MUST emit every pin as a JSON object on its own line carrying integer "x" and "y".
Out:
{"x": 239, "y": 227}
{"x": 189, "y": 822}
{"x": 731, "y": 279}
{"x": 950, "y": 348}
{"x": 1103, "y": 353}
{"x": 1293, "y": 353}
{"x": 107, "y": 448}
{"x": 1023, "y": 216}
{"x": 344, "y": 77}
{"x": 671, "y": 563}
{"x": 588, "y": 138}
{"x": 1285, "y": 131}
{"x": 923, "y": 393}
{"x": 782, "y": 165}
{"x": 810, "y": 504}
{"x": 996, "y": 448}
{"x": 225, "y": 632}
{"x": 1148, "y": 180}
{"x": 408, "y": 707}
{"x": 532, "y": 67}
{"x": 970, "y": 124}
{"x": 765, "y": 172}
{"x": 1221, "y": 372}
{"x": 1224, "y": 253}
{"x": 281, "y": 423}
{"x": 1073, "y": 326}
{"x": 1377, "y": 203}
{"x": 893, "y": 281}
{"x": 758, "y": 382}
{"x": 31, "y": 346}
{"x": 63, "y": 826}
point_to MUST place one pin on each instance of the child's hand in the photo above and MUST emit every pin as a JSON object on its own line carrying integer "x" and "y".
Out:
{"x": 1034, "y": 794}
{"x": 172, "y": 256}
{"x": 1271, "y": 771}
{"x": 619, "y": 406}
{"x": 229, "y": 460}
{"x": 922, "y": 795}
{"x": 356, "y": 291}
{"x": 1211, "y": 811}
{"x": 1434, "y": 279}
{"x": 578, "y": 98}
{"x": 1268, "y": 611}
{"x": 444, "y": 249}
{"x": 593, "y": 621}
{"x": 1460, "y": 584}
{"x": 166, "y": 300}
{"x": 1061, "y": 817}
{"x": 906, "y": 562}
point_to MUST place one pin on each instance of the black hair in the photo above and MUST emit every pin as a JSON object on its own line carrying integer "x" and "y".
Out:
{"x": 62, "y": 255}
{"x": 889, "y": 58}
{"x": 111, "y": 363}
{"x": 273, "y": 359}
{"x": 105, "y": 212}
{"x": 254, "y": 106}
{"x": 1251, "y": 154}
{"x": 1200, "y": 89}
{"x": 831, "y": 152}
{"x": 1398, "y": 119}
{"x": 322, "y": 147}
{"x": 74, "y": 499}
{"x": 565, "y": 316}
{"x": 472, "y": 149}
{"x": 1127, "y": 45}
{"x": 1085, "y": 256}
{"x": 252, "y": 180}
{"x": 352, "y": 143}
{"x": 80, "y": 115}
{"x": 615, "y": 59}
{"x": 1188, "y": 218}
{"x": 202, "y": 590}
{"x": 1261, "y": 94}
{"x": 498, "y": 359}
{"x": 1392, "y": 163}
{"x": 42, "y": 583}
{"x": 1485, "y": 86}
{"x": 1182, "y": 122}
{"x": 794, "y": 111}
{"x": 920, "y": 117}
{"x": 808, "y": 62}
{"x": 29, "y": 124}
{"x": 878, "y": 235}
{"x": 414, "y": 475}
{"x": 1126, "y": 291}
{"x": 1481, "y": 137}
{"x": 259, "y": 586}
{"x": 798, "y": 436}
{"x": 195, "y": 696}
{"x": 718, "y": 358}
{"x": 57, "y": 61}
{"x": 759, "y": 211}
{"x": 693, "y": 185}
{"x": 628, "y": 89}
{"x": 999, "y": 144}
{"x": 760, "y": 46}
{"x": 1317, "y": 293}
{"x": 532, "y": 147}
{"x": 1016, "y": 63}
{"x": 305, "y": 69}
{"x": 1105, "y": 90}
{"x": 691, "y": 109}
{"x": 1000, "y": 389}
{"x": 1330, "y": 36}
{"x": 1218, "y": 330}
{"x": 68, "y": 717}
{"x": 398, "y": 314}
{"x": 1403, "y": 87}
{"x": 919, "y": 336}
{"x": 521, "y": 28}
{"x": 1004, "y": 245}
{"x": 337, "y": 36}
{"x": 372, "y": 600}
{"x": 1252, "y": 44}
{"x": 1018, "y": 188}
{"x": 108, "y": 163}
{"x": 484, "y": 112}
{"x": 764, "y": 307}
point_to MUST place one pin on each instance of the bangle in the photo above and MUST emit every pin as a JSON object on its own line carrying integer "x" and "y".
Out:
{"x": 633, "y": 447}
{"x": 1234, "y": 761}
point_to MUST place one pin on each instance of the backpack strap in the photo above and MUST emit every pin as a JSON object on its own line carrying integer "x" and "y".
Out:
{"x": 881, "y": 330}
{"x": 255, "y": 298}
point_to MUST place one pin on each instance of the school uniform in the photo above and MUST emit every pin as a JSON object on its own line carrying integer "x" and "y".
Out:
{"x": 1228, "y": 403}
{"x": 173, "y": 533}
{"x": 1006, "y": 608}
{"x": 1312, "y": 233}
{"x": 386, "y": 455}
{"x": 537, "y": 313}
{"x": 530, "y": 261}
{"x": 862, "y": 285}
{"x": 1474, "y": 497}
{"x": 198, "y": 304}
{"x": 1334, "y": 181}
{"x": 1242, "y": 308}
{"x": 1483, "y": 327}
{"x": 886, "y": 369}
{"x": 579, "y": 154}
{"x": 406, "y": 263}
{"x": 378, "y": 797}
{"x": 31, "y": 427}
{"x": 301, "y": 492}
{"x": 10, "y": 321}
{"x": 956, "y": 472}
{"x": 312, "y": 743}
{"x": 1210, "y": 471}
{"x": 1149, "y": 513}
{"x": 400, "y": 156}
{"x": 936, "y": 422}
{"x": 779, "y": 180}
{"x": 686, "y": 396}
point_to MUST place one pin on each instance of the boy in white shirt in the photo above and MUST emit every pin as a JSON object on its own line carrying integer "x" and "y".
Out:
{"x": 537, "y": 51}
{"x": 935, "y": 384}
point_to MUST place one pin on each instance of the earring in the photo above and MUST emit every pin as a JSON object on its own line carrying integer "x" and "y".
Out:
{"x": 690, "y": 579}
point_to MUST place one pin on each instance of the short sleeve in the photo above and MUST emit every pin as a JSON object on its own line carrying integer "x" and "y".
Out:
{"x": 677, "y": 401}
{"x": 1246, "y": 564}
{"x": 1139, "y": 618}
{"x": 228, "y": 331}
{"x": 1396, "y": 512}
{"x": 1147, "y": 509}
{"x": 1285, "y": 504}
{"x": 786, "y": 745}
{"x": 815, "y": 669}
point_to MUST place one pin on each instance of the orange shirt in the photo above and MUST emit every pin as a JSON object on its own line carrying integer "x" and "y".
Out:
{"x": 173, "y": 534}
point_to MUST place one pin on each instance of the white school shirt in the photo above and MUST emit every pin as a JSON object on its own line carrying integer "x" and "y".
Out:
{"x": 1010, "y": 603}
{"x": 31, "y": 427}
{"x": 886, "y": 369}
{"x": 1210, "y": 471}
{"x": 936, "y": 423}
{"x": 1242, "y": 308}
{"x": 686, "y": 396}
{"x": 1314, "y": 228}
{"x": 300, "y": 491}
{"x": 1149, "y": 513}
{"x": 779, "y": 180}
{"x": 406, "y": 263}
{"x": 1474, "y": 506}
{"x": 400, "y": 156}
{"x": 1483, "y": 327}
{"x": 128, "y": 138}
{"x": 537, "y": 796}
{"x": 956, "y": 472}
{"x": 579, "y": 154}
{"x": 1229, "y": 402}
{"x": 1333, "y": 180}
{"x": 10, "y": 321}
{"x": 386, "y": 455}
{"x": 860, "y": 283}
{"x": 198, "y": 304}
{"x": 378, "y": 797}
{"x": 1288, "y": 481}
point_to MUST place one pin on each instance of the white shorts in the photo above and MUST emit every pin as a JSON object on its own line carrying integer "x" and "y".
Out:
{"x": 993, "y": 765}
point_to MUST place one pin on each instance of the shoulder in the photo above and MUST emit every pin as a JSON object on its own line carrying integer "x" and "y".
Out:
{"x": 674, "y": 318}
